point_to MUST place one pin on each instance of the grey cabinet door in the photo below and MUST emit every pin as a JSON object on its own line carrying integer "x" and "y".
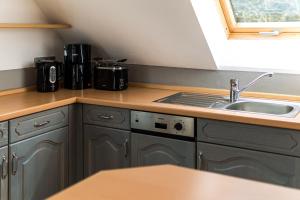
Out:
{"x": 4, "y": 173}
{"x": 38, "y": 166}
{"x": 153, "y": 150}
{"x": 3, "y": 134}
{"x": 260, "y": 166}
{"x": 105, "y": 148}
{"x": 274, "y": 140}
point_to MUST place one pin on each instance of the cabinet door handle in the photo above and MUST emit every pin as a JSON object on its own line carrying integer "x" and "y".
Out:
{"x": 108, "y": 117}
{"x": 4, "y": 170}
{"x": 126, "y": 148}
{"x": 36, "y": 125}
{"x": 14, "y": 164}
{"x": 200, "y": 160}
{"x": 2, "y": 131}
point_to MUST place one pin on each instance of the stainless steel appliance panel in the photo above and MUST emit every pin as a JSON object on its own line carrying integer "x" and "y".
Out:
{"x": 162, "y": 123}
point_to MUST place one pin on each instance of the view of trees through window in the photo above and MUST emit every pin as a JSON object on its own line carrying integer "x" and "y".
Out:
{"x": 266, "y": 10}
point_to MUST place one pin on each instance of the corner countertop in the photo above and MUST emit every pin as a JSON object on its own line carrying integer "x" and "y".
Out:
{"x": 168, "y": 182}
{"x": 139, "y": 97}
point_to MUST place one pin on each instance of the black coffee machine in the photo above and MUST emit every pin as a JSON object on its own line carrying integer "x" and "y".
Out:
{"x": 78, "y": 73}
{"x": 49, "y": 72}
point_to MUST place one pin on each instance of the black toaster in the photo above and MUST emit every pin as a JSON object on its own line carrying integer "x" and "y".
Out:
{"x": 110, "y": 74}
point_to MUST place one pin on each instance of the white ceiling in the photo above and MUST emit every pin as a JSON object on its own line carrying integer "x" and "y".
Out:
{"x": 148, "y": 32}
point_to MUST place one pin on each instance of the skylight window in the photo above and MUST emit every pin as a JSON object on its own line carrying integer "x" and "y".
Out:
{"x": 261, "y": 17}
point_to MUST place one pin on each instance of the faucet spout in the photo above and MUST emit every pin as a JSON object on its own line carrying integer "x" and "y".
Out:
{"x": 268, "y": 74}
{"x": 235, "y": 89}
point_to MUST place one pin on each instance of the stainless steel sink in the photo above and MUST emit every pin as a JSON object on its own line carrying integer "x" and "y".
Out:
{"x": 261, "y": 107}
{"x": 193, "y": 99}
{"x": 267, "y": 107}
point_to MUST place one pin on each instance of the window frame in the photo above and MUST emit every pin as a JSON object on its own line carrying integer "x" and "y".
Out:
{"x": 243, "y": 30}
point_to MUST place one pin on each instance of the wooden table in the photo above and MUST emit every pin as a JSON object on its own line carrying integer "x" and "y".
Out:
{"x": 172, "y": 183}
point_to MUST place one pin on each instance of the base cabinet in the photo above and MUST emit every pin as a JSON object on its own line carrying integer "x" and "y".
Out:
{"x": 255, "y": 165}
{"x": 153, "y": 150}
{"x": 39, "y": 166}
{"x": 105, "y": 148}
{"x": 4, "y": 173}
{"x": 43, "y": 162}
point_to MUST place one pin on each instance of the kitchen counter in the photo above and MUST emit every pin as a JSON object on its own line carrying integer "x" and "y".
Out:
{"x": 171, "y": 183}
{"x": 139, "y": 97}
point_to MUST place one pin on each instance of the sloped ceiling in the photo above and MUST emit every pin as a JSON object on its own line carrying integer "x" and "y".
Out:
{"x": 147, "y": 32}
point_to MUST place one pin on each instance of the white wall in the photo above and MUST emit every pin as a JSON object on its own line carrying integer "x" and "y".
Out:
{"x": 279, "y": 55}
{"x": 18, "y": 47}
{"x": 149, "y": 32}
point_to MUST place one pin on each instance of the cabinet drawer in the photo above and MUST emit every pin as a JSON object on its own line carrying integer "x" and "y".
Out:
{"x": 35, "y": 124}
{"x": 3, "y": 134}
{"x": 106, "y": 116}
{"x": 255, "y": 165}
{"x": 263, "y": 138}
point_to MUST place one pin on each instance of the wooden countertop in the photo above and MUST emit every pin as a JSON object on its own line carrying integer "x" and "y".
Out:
{"x": 138, "y": 97}
{"x": 171, "y": 183}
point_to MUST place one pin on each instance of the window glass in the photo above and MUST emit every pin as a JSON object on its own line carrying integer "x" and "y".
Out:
{"x": 266, "y": 10}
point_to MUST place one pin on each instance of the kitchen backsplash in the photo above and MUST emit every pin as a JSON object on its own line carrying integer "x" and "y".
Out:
{"x": 280, "y": 83}
{"x": 17, "y": 78}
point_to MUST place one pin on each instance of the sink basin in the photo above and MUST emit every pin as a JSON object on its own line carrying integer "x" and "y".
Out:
{"x": 261, "y": 107}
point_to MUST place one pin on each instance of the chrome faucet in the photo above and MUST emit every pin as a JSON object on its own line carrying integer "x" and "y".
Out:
{"x": 235, "y": 89}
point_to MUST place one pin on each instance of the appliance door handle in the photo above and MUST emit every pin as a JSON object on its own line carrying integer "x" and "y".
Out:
{"x": 108, "y": 117}
{"x": 126, "y": 148}
{"x": 200, "y": 160}
{"x": 4, "y": 167}
{"x": 36, "y": 125}
{"x": 14, "y": 164}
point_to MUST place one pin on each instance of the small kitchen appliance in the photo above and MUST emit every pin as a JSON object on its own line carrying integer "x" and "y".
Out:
{"x": 48, "y": 74}
{"x": 110, "y": 74}
{"x": 77, "y": 66}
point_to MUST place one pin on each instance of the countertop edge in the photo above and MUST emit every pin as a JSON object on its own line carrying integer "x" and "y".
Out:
{"x": 146, "y": 104}
{"x": 38, "y": 108}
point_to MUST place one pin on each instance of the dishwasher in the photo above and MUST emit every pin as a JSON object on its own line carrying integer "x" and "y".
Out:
{"x": 158, "y": 139}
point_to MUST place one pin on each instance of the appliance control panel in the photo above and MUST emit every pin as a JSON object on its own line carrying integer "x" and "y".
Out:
{"x": 162, "y": 123}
